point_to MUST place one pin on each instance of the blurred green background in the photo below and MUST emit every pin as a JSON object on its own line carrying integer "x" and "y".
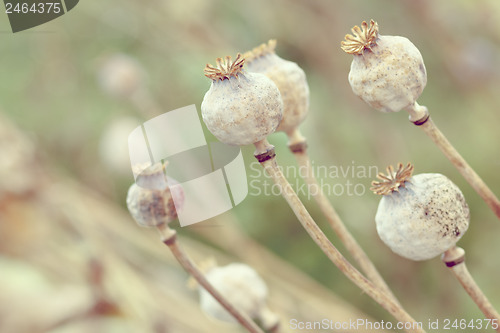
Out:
{"x": 49, "y": 88}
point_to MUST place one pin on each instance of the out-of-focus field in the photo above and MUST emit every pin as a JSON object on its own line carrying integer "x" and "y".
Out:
{"x": 71, "y": 258}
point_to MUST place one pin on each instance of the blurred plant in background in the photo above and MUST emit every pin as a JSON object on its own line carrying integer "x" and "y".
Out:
{"x": 66, "y": 240}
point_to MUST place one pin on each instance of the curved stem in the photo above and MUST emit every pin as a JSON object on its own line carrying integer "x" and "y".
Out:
{"x": 298, "y": 146}
{"x": 455, "y": 260}
{"x": 268, "y": 161}
{"x": 428, "y": 126}
{"x": 169, "y": 237}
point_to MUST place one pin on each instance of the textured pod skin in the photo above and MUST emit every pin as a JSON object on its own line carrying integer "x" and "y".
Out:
{"x": 390, "y": 75}
{"x": 150, "y": 200}
{"x": 424, "y": 219}
{"x": 242, "y": 110}
{"x": 241, "y": 285}
{"x": 292, "y": 84}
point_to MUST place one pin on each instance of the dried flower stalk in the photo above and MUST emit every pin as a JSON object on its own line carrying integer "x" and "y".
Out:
{"x": 266, "y": 157}
{"x": 419, "y": 115}
{"x": 169, "y": 238}
{"x": 455, "y": 260}
{"x": 298, "y": 146}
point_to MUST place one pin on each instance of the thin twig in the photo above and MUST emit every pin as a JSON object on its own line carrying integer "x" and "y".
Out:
{"x": 170, "y": 239}
{"x": 428, "y": 126}
{"x": 298, "y": 146}
{"x": 266, "y": 156}
{"x": 455, "y": 260}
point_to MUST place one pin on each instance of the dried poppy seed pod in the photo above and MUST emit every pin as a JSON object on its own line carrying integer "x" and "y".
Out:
{"x": 419, "y": 217}
{"x": 150, "y": 200}
{"x": 288, "y": 77}
{"x": 240, "y": 108}
{"x": 241, "y": 286}
{"x": 387, "y": 72}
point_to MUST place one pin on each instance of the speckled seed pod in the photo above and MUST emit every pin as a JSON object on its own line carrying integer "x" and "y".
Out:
{"x": 242, "y": 287}
{"x": 288, "y": 77}
{"x": 149, "y": 199}
{"x": 387, "y": 72}
{"x": 240, "y": 108}
{"x": 419, "y": 217}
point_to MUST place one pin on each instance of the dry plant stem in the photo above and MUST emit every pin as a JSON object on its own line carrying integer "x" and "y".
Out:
{"x": 298, "y": 146}
{"x": 266, "y": 156}
{"x": 455, "y": 260}
{"x": 169, "y": 238}
{"x": 452, "y": 154}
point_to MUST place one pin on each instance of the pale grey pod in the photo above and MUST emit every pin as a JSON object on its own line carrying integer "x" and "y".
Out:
{"x": 240, "y": 285}
{"x": 426, "y": 216}
{"x": 391, "y": 76}
{"x": 387, "y": 72}
{"x": 150, "y": 200}
{"x": 240, "y": 108}
{"x": 290, "y": 80}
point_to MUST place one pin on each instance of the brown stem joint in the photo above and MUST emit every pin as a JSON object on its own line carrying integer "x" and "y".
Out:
{"x": 298, "y": 147}
{"x": 455, "y": 262}
{"x": 422, "y": 120}
{"x": 453, "y": 257}
{"x": 267, "y": 155}
{"x": 170, "y": 240}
